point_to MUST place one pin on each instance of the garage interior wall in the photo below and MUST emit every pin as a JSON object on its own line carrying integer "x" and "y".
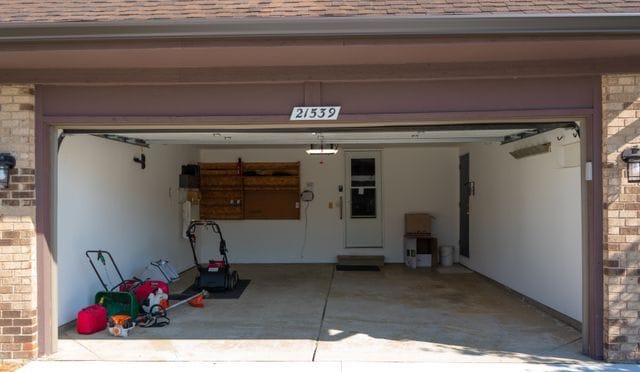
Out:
{"x": 525, "y": 220}
{"x": 106, "y": 202}
{"x": 414, "y": 179}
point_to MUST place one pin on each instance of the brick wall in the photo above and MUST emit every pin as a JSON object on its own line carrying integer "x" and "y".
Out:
{"x": 17, "y": 227}
{"x": 621, "y": 120}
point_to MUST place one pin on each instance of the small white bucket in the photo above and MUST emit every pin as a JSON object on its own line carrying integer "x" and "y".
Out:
{"x": 456, "y": 254}
{"x": 446, "y": 255}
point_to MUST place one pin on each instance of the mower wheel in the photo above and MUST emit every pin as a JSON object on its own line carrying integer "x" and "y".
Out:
{"x": 232, "y": 280}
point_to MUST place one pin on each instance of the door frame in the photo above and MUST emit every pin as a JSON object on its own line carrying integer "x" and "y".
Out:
{"x": 463, "y": 187}
{"x": 590, "y": 114}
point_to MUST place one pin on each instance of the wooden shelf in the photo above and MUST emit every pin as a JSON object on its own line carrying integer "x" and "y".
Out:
{"x": 250, "y": 190}
{"x": 271, "y": 182}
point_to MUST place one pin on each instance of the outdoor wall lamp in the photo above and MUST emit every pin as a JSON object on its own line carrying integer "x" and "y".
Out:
{"x": 631, "y": 156}
{"x": 7, "y": 162}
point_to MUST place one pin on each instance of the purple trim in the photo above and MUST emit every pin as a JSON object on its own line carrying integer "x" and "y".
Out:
{"x": 274, "y": 101}
{"x": 596, "y": 232}
{"x": 124, "y": 61}
{"x": 44, "y": 255}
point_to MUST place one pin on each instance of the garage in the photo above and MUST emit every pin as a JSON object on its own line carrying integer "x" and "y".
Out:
{"x": 514, "y": 293}
{"x": 540, "y": 112}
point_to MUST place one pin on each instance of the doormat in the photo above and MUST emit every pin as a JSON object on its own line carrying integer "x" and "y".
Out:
{"x": 455, "y": 269}
{"x": 357, "y": 268}
{"x": 221, "y": 294}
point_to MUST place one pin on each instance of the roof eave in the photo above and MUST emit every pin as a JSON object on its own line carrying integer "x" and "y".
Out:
{"x": 543, "y": 24}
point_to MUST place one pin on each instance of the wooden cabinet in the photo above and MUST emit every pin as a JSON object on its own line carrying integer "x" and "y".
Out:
{"x": 250, "y": 190}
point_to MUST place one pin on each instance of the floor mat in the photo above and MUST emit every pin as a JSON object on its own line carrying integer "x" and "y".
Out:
{"x": 455, "y": 269}
{"x": 357, "y": 268}
{"x": 222, "y": 294}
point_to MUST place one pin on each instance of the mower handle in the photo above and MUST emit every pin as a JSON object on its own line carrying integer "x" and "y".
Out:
{"x": 191, "y": 234}
{"x": 214, "y": 226}
{"x": 100, "y": 256}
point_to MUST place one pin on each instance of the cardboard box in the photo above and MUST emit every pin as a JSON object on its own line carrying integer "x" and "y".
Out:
{"x": 417, "y": 223}
{"x": 423, "y": 260}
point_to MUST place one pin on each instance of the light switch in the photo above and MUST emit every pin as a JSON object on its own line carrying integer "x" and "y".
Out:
{"x": 330, "y": 205}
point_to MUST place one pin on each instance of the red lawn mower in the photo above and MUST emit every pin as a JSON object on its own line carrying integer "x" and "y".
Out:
{"x": 217, "y": 274}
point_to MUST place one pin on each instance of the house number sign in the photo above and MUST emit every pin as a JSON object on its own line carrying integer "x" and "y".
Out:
{"x": 315, "y": 113}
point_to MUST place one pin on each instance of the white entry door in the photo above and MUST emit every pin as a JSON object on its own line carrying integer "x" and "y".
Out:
{"x": 364, "y": 200}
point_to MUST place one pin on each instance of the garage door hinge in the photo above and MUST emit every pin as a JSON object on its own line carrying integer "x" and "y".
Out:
{"x": 60, "y": 140}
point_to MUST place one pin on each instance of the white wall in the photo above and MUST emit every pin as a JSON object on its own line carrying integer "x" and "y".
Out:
{"x": 105, "y": 201}
{"x": 413, "y": 179}
{"x": 525, "y": 222}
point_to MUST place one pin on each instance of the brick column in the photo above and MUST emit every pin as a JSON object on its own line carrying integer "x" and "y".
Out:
{"x": 621, "y": 120}
{"x": 18, "y": 339}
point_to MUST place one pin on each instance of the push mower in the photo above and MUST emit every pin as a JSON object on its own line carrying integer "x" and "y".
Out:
{"x": 216, "y": 275}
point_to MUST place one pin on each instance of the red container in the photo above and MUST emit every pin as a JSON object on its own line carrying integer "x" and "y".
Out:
{"x": 92, "y": 319}
{"x": 148, "y": 287}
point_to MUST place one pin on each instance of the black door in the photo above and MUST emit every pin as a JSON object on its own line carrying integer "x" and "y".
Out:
{"x": 465, "y": 192}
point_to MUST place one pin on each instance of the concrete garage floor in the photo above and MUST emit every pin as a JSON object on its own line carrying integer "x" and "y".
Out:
{"x": 397, "y": 314}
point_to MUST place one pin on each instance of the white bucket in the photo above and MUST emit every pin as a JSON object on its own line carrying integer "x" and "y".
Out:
{"x": 446, "y": 255}
{"x": 456, "y": 254}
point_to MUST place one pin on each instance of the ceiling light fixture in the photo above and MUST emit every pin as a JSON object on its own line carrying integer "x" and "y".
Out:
{"x": 322, "y": 149}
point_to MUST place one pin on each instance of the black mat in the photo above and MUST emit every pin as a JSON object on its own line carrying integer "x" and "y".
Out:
{"x": 221, "y": 294}
{"x": 357, "y": 268}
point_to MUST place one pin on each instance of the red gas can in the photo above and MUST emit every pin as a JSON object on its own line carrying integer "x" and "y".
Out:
{"x": 92, "y": 319}
{"x": 146, "y": 288}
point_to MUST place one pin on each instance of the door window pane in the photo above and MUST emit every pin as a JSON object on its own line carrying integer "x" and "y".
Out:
{"x": 363, "y": 202}
{"x": 363, "y": 172}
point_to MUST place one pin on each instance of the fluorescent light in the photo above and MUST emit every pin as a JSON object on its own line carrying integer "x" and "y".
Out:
{"x": 322, "y": 150}
{"x": 531, "y": 150}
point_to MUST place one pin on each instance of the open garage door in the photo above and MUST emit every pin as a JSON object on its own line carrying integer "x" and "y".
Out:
{"x": 525, "y": 240}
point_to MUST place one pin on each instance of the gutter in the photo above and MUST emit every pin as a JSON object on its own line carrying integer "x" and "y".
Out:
{"x": 564, "y": 24}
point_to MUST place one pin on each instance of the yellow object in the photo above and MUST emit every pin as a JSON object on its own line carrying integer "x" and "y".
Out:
{"x": 194, "y": 196}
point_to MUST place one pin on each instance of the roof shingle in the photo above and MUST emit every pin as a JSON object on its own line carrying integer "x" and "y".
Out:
{"x": 12, "y": 11}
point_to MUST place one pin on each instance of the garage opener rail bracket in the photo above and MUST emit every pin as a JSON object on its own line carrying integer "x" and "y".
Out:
{"x": 122, "y": 139}
{"x": 541, "y": 129}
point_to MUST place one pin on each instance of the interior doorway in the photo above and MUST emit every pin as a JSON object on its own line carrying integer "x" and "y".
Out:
{"x": 466, "y": 188}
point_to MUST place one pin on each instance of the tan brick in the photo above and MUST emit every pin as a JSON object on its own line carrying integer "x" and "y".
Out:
{"x": 621, "y": 113}
{"x": 21, "y": 355}
{"x": 626, "y": 80}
